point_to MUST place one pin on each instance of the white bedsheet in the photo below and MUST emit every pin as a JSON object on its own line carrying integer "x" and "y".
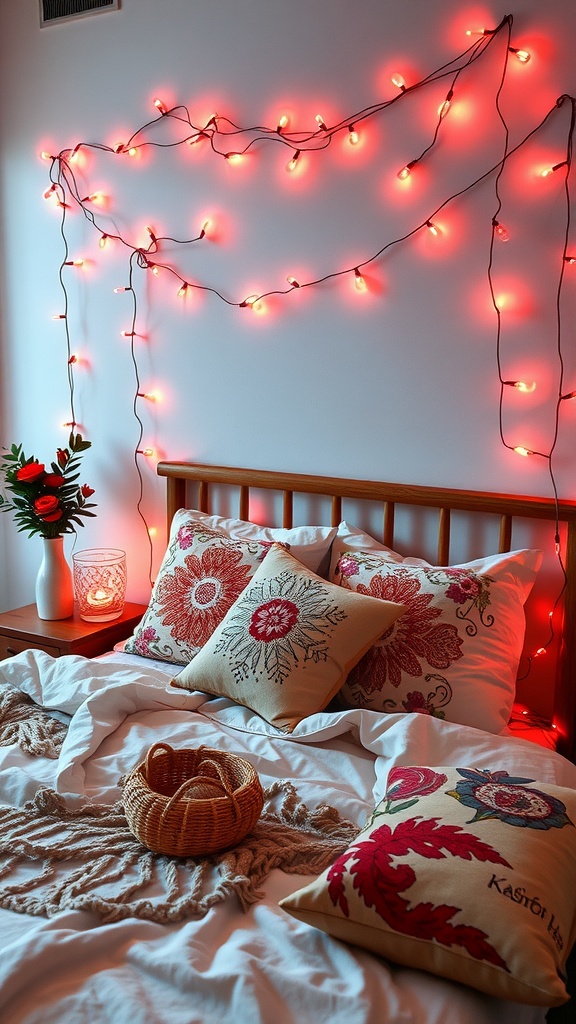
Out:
{"x": 259, "y": 967}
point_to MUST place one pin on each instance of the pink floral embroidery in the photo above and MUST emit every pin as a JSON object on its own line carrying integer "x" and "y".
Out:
{"x": 412, "y": 781}
{"x": 466, "y": 587}
{"x": 416, "y": 702}
{"x": 143, "y": 640}
{"x": 273, "y": 620}
{"x": 194, "y": 599}
{"x": 416, "y": 637}
{"x": 278, "y": 623}
{"x": 347, "y": 566}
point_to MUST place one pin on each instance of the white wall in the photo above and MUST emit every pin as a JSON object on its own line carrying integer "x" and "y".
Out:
{"x": 400, "y": 383}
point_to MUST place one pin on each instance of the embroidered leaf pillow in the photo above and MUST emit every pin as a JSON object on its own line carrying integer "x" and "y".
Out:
{"x": 467, "y": 873}
{"x": 454, "y": 654}
{"x": 208, "y": 562}
{"x": 286, "y": 645}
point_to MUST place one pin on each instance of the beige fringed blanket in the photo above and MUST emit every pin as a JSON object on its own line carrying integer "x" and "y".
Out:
{"x": 23, "y": 722}
{"x": 87, "y": 859}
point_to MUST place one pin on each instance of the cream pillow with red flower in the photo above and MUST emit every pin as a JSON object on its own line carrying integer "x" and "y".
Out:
{"x": 287, "y": 644}
{"x": 455, "y": 652}
{"x": 208, "y": 562}
{"x": 466, "y": 873}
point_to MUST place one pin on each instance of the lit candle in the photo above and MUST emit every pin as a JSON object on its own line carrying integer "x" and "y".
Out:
{"x": 100, "y": 599}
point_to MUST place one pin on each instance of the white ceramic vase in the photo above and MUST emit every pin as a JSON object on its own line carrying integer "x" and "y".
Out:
{"x": 54, "y": 591}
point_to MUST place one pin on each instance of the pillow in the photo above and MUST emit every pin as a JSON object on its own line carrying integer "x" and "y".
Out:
{"x": 208, "y": 562}
{"x": 455, "y": 652}
{"x": 465, "y": 873}
{"x": 286, "y": 645}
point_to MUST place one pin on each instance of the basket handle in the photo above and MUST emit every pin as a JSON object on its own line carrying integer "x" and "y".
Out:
{"x": 155, "y": 749}
{"x": 221, "y": 781}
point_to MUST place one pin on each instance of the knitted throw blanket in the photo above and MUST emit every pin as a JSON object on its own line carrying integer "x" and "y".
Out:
{"x": 23, "y": 722}
{"x": 87, "y": 859}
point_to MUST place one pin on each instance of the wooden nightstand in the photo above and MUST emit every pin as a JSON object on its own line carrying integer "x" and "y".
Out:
{"x": 21, "y": 628}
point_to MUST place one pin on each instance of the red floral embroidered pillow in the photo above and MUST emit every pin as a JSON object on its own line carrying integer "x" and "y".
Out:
{"x": 208, "y": 562}
{"x": 287, "y": 644}
{"x": 466, "y": 873}
{"x": 454, "y": 654}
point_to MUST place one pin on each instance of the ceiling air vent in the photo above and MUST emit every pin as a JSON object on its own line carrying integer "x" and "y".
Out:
{"x": 53, "y": 11}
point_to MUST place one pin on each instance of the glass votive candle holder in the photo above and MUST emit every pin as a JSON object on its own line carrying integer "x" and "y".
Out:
{"x": 100, "y": 583}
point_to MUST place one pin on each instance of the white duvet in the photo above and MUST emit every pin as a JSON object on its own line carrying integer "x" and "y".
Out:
{"x": 258, "y": 967}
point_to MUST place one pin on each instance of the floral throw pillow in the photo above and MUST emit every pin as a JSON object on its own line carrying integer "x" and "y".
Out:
{"x": 208, "y": 562}
{"x": 286, "y": 645}
{"x": 467, "y": 873}
{"x": 454, "y": 654}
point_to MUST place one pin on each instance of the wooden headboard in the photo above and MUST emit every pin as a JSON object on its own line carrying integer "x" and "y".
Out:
{"x": 507, "y": 507}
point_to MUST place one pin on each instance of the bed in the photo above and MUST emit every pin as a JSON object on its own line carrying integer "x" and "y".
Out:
{"x": 414, "y": 858}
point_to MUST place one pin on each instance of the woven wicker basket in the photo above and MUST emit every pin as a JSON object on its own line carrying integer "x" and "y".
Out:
{"x": 191, "y": 802}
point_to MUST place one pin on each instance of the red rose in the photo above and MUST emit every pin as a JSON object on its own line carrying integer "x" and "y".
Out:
{"x": 30, "y": 473}
{"x": 86, "y": 491}
{"x": 47, "y": 507}
{"x": 62, "y": 457}
{"x": 53, "y": 480}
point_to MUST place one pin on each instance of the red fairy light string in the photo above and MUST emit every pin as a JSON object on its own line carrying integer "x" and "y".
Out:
{"x": 217, "y": 133}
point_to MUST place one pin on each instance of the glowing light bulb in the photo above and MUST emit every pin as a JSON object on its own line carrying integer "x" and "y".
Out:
{"x": 73, "y": 359}
{"x": 521, "y": 385}
{"x": 569, "y": 259}
{"x": 160, "y": 106}
{"x": 521, "y": 450}
{"x": 292, "y": 164}
{"x": 359, "y": 281}
{"x": 154, "y": 268}
{"x": 522, "y": 55}
{"x": 433, "y": 228}
{"x": 204, "y": 228}
{"x": 49, "y": 191}
{"x": 353, "y": 137}
{"x": 133, "y": 151}
{"x": 147, "y": 452}
{"x": 182, "y": 290}
{"x": 406, "y": 171}
{"x": 321, "y": 122}
{"x": 150, "y": 396}
{"x": 282, "y": 122}
{"x": 122, "y": 288}
{"x": 74, "y": 155}
{"x": 74, "y": 263}
{"x": 293, "y": 282}
{"x": 94, "y": 197}
{"x": 118, "y": 147}
{"x": 555, "y": 167}
{"x": 445, "y": 106}
{"x": 233, "y": 158}
{"x": 398, "y": 81}
{"x": 500, "y": 230}
{"x": 45, "y": 155}
{"x": 151, "y": 233}
{"x": 59, "y": 316}
{"x": 103, "y": 241}
{"x": 250, "y": 301}
{"x": 479, "y": 31}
